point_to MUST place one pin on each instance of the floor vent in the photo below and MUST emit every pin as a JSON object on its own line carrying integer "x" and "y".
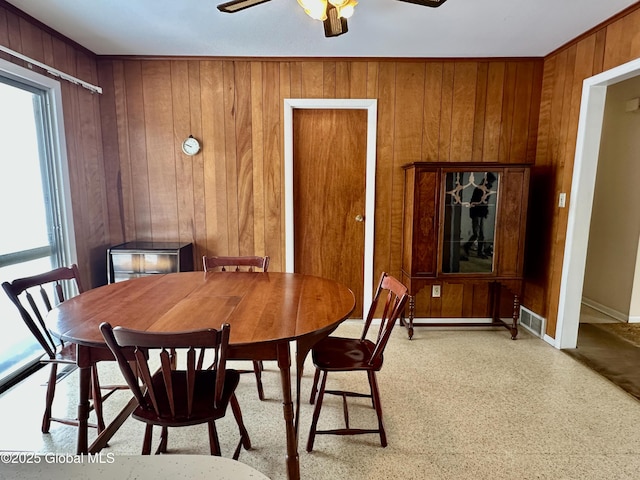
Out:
{"x": 532, "y": 322}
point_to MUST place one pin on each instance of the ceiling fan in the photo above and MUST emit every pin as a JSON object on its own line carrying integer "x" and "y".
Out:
{"x": 332, "y": 13}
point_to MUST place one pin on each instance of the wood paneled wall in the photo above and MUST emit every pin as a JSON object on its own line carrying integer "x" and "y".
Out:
{"x": 564, "y": 71}
{"x": 82, "y": 124}
{"x": 230, "y": 200}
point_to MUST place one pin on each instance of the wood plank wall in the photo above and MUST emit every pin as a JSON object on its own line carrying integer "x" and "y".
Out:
{"x": 82, "y": 123}
{"x": 603, "y": 48}
{"x": 230, "y": 200}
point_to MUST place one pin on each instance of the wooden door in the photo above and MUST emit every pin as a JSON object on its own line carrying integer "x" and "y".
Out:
{"x": 329, "y": 180}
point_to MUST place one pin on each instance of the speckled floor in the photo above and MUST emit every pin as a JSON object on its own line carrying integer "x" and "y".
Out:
{"x": 459, "y": 404}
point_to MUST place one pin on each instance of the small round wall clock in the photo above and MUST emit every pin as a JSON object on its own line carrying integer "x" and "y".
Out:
{"x": 191, "y": 145}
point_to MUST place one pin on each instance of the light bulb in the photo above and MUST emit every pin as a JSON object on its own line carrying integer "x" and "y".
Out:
{"x": 345, "y": 7}
{"x": 347, "y": 11}
{"x": 316, "y": 9}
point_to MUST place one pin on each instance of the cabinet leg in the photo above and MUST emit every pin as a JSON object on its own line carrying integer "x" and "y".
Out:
{"x": 516, "y": 316}
{"x": 408, "y": 323}
{"x": 412, "y": 306}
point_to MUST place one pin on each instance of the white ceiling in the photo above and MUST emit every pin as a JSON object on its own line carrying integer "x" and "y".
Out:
{"x": 280, "y": 28}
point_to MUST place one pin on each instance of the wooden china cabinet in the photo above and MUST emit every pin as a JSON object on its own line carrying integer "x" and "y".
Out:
{"x": 463, "y": 243}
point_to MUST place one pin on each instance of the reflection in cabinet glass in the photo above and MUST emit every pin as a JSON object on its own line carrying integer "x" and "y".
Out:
{"x": 469, "y": 222}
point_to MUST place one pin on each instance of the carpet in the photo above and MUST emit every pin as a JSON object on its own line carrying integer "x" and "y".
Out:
{"x": 627, "y": 331}
{"x": 612, "y": 350}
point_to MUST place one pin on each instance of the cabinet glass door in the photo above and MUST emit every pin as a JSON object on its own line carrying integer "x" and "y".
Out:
{"x": 469, "y": 221}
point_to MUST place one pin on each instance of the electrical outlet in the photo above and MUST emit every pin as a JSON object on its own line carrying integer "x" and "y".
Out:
{"x": 435, "y": 290}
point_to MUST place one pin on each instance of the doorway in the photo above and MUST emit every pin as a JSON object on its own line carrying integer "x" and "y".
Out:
{"x": 582, "y": 191}
{"x": 370, "y": 107}
{"x": 607, "y": 337}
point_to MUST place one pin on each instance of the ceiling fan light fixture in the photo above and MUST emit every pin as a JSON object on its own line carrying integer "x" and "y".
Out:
{"x": 334, "y": 25}
{"x": 332, "y": 13}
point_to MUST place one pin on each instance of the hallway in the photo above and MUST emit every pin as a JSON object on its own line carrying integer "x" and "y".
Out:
{"x": 606, "y": 353}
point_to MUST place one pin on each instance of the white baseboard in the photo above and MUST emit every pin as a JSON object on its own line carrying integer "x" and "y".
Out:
{"x": 450, "y": 320}
{"x": 551, "y": 341}
{"x": 621, "y": 317}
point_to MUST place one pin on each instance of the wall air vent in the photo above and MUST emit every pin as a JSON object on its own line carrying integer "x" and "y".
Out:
{"x": 533, "y": 322}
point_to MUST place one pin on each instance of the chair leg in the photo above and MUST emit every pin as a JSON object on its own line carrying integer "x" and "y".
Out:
{"x": 237, "y": 413}
{"x": 314, "y": 387}
{"x": 51, "y": 390}
{"x": 97, "y": 398}
{"x": 316, "y": 411}
{"x": 164, "y": 440}
{"x": 371, "y": 387}
{"x": 257, "y": 368}
{"x": 214, "y": 444}
{"x": 146, "y": 443}
{"x": 375, "y": 394}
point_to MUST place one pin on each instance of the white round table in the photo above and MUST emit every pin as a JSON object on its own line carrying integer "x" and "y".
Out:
{"x": 105, "y": 466}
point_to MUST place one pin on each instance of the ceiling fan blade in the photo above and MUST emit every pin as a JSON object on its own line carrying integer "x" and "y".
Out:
{"x": 426, "y": 3}
{"x": 237, "y": 5}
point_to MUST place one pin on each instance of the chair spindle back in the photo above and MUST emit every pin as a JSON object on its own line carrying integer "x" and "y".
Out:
{"x": 23, "y": 293}
{"x": 237, "y": 264}
{"x": 394, "y": 304}
{"x": 162, "y": 390}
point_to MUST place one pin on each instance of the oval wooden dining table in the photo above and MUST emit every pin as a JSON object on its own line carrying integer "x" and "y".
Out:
{"x": 266, "y": 312}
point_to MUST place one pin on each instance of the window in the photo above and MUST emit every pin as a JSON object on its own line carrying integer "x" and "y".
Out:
{"x": 34, "y": 200}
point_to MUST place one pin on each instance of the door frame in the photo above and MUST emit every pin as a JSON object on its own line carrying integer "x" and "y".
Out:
{"x": 371, "y": 106}
{"x": 594, "y": 93}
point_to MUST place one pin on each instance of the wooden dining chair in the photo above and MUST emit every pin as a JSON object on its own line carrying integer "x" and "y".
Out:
{"x": 238, "y": 264}
{"x": 34, "y": 297}
{"x": 235, "y": 264}
{"x": 172, "y": 397}
{"x": 338, "y": 354}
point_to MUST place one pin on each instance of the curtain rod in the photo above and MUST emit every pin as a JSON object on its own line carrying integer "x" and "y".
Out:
{"x": 53, "y": 71}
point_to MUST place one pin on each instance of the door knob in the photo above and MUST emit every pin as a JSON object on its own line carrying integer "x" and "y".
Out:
{"x": 359, "y": 218}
